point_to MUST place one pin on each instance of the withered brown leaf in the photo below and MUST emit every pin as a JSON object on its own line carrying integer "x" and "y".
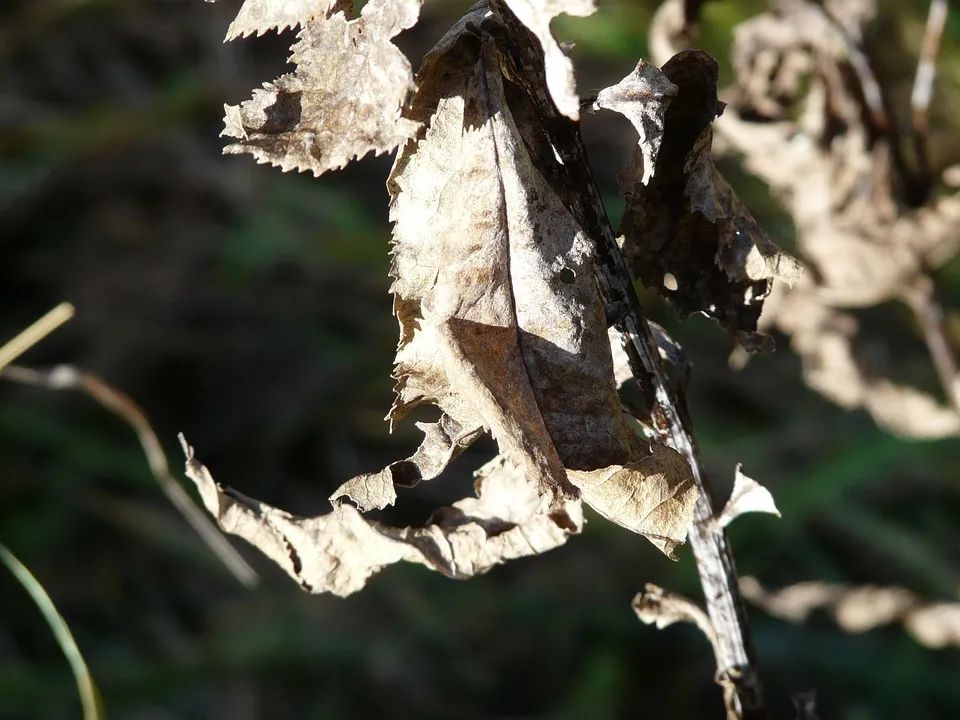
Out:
{"x": 859, "y": 609}
{"x": 494, "y": 270}
{"x": 344, "y": 100}
{"x": 642, "y": 97}
{"x": 807, "y": 118}
{"x": 338, "y": 552}
{"x": 686, "y": 233}
{"x": 503, "y": 329}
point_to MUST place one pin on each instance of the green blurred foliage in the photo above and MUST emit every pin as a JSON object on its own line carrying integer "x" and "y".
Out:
{"x": 250, "y": 309}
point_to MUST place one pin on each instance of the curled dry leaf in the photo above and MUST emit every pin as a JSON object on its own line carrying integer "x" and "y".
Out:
{"x": 652, "y": 497}
{"x": 344, "y": 100}
{"x": 497, "y": 300}
{"x": 536, "y": 15}
{"x": 686, "y": 233}
{"x": 503, "y": 329}
{"x": 642, "y": 97}
{"x": 747, "y": 496}
{"x": 661, "y": 608}
{"x": 825, "y": 338}
{"x": 858, "y": 609}
{"x": 338, "y": 552}
{"x": 442, "y": 442}
{"x": 656, "y": 606}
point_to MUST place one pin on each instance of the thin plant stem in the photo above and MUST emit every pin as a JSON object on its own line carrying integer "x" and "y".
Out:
{"x": 86, "y": 687}
{"x": 66, "y": 377}
{"x": 924, "y": 300}
{"x": 575, "y": 183}
{"x": 922, "y": 93}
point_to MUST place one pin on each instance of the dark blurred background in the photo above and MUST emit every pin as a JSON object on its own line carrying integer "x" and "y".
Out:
{"x": 249, "y": 309}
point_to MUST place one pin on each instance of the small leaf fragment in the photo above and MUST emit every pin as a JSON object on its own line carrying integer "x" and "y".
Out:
{"x": 747, "y": 496}
{"x": 642, "y": 97}
{"x": 344, "y": 100}
{"x": 442, "y": 441}
{"x": 653, "y": 497}
{"x": 260, "y": 16}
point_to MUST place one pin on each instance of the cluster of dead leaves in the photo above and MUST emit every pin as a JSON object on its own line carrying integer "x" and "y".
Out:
{"x": 502, "y": 325}
{"x": 808, "y": 117}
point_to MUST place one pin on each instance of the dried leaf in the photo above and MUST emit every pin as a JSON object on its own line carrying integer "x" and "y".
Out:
{"x": 825, "y": 340}
{"x": 653, "y": 497}
{"x": 658, "y": 607}
{"x": 536, "y": 15}
{"x": 503, "y": 329}
{"x": 747, "y": 496}
{"x": 442, "y": 442}
{"x": 642, "y": 97}
{"x": 339, "y": 552}
{"x": 686, "y": 233}
{"x": 344, "y": 100}
{"x": 495, "y": 290}
{"x": 858, "y": 609}
{"x": 260, "y": 16}
{"x": 498, "y": 303}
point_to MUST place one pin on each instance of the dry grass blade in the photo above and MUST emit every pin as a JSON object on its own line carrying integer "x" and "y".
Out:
{"x": 89, "y": 695}
{"x": 66, "y": 377}
{"x": 35, "y": 333}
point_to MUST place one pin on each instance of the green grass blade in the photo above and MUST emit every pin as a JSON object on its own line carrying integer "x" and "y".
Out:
{"x": 89, "y": 695}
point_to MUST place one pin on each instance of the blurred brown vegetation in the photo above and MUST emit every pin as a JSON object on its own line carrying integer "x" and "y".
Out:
{"x": 249, "y": 309}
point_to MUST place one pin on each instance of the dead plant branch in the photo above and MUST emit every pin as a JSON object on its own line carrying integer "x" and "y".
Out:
{"x": 924, "y": 79}
{"x": 924, "y": 300}
{"x": 662, "y": 608}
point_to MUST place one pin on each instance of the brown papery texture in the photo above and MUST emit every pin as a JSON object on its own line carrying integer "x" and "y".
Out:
{"x": 503, "y": 329}
{"x": 685, "y": 232}
{"x": 806, "y": 114}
